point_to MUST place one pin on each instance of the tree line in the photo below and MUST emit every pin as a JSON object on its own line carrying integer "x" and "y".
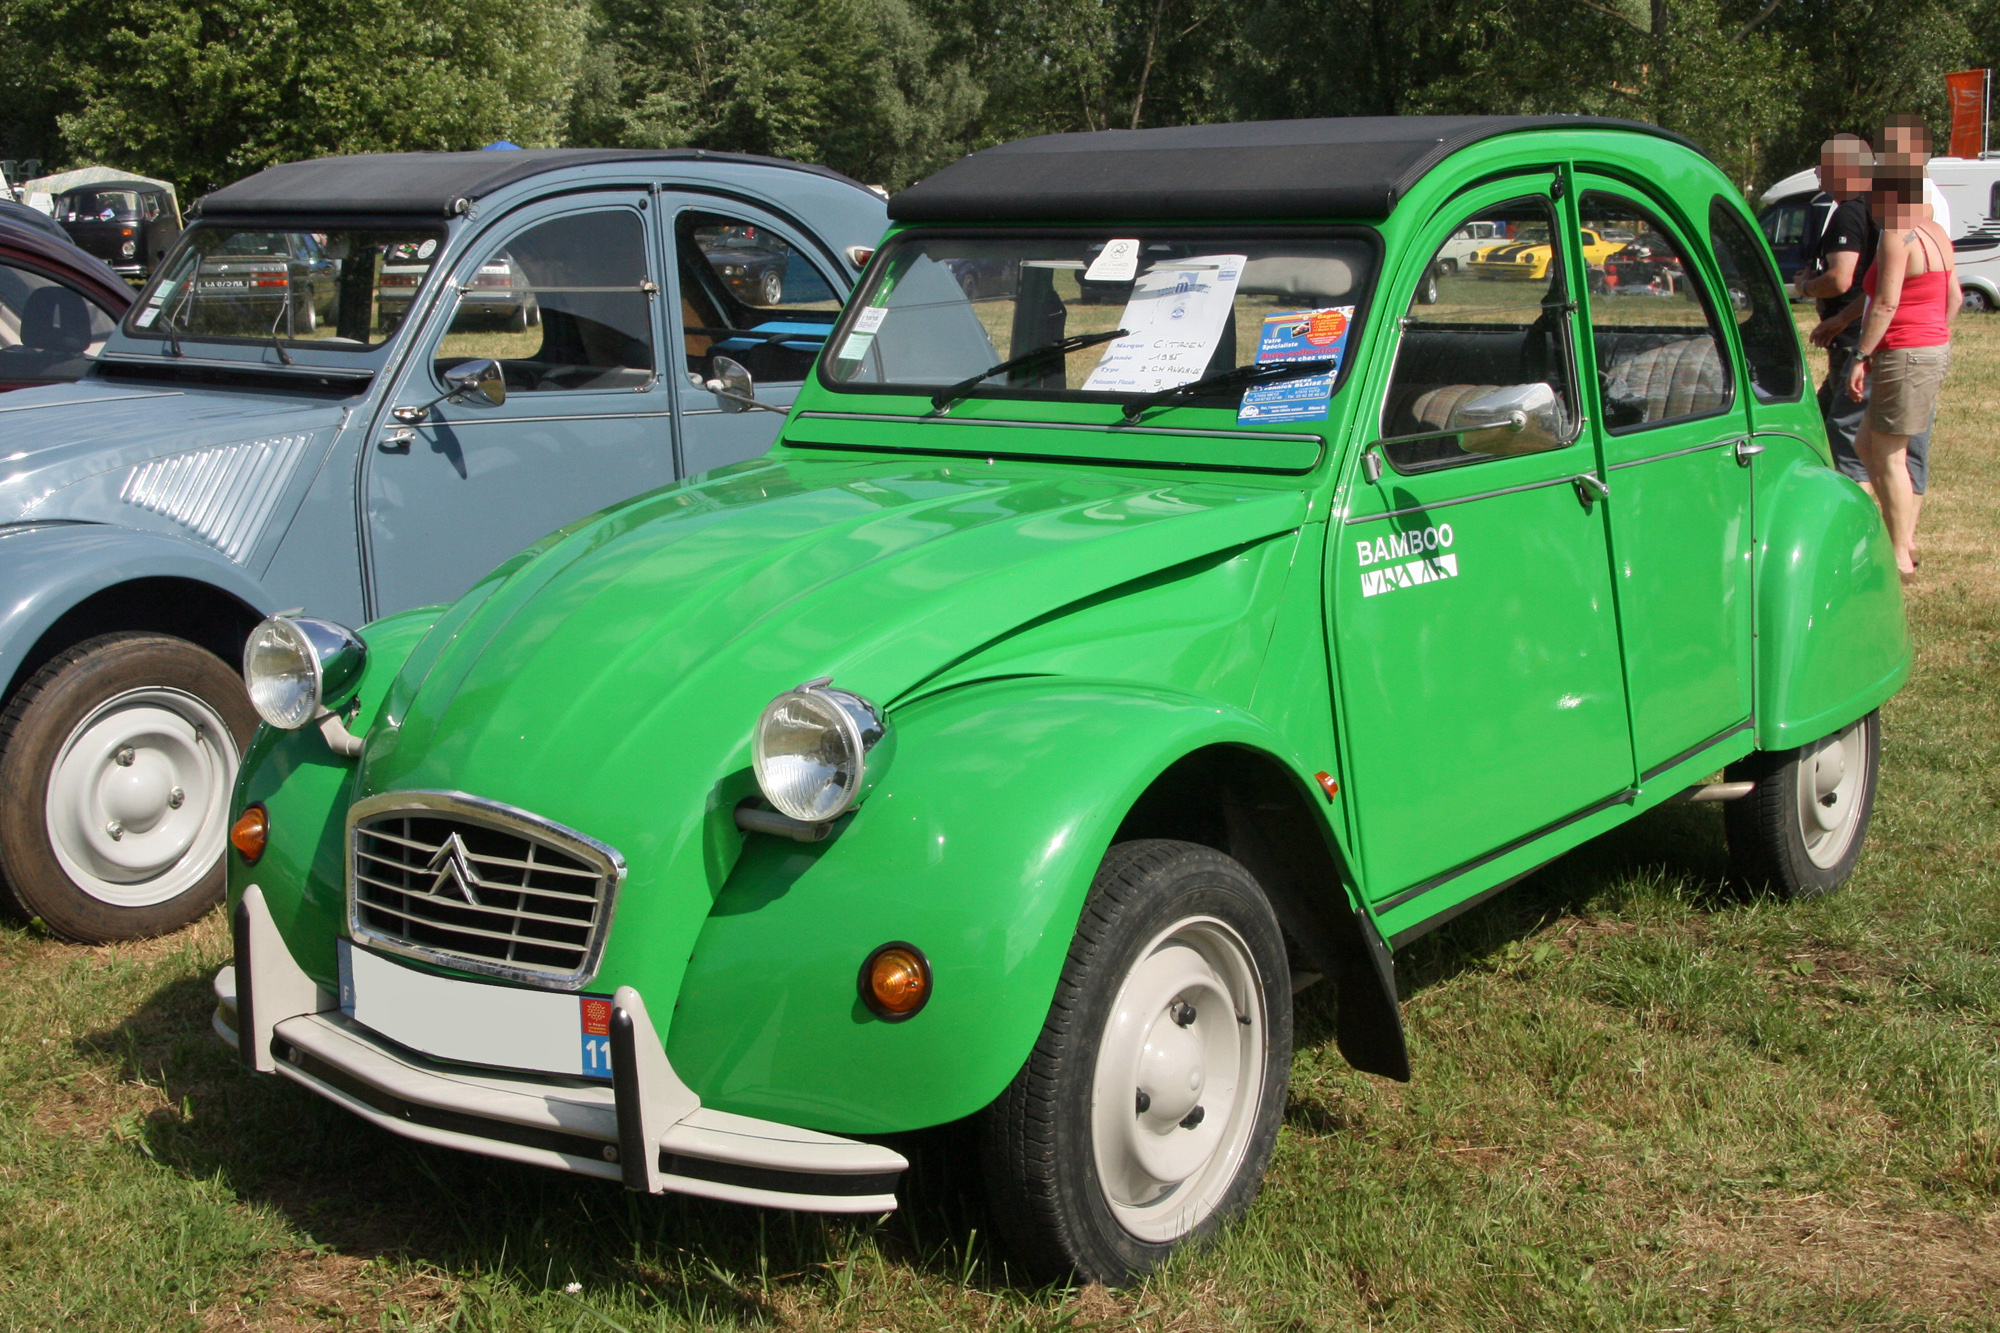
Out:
{"x": 202, "y": 92}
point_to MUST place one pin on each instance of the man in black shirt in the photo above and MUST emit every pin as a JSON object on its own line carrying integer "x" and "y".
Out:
{"x": 1836, "y": 261}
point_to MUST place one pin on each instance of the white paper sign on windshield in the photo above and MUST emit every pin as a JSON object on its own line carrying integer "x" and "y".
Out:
{"x": 1118, "y": 261}
{"x": 1172, "y": 324}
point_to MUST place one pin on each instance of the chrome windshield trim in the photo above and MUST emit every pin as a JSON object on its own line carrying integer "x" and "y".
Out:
{"x": 511, "y": 819}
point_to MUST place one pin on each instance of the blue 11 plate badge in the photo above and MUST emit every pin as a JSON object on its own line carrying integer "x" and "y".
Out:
{"x": 1298, "y": 335}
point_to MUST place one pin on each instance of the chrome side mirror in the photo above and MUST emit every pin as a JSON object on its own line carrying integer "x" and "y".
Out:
{"x": 730, "y": 381}
{"x": 483, "y": 378}
{"x": 1512, "y": 419}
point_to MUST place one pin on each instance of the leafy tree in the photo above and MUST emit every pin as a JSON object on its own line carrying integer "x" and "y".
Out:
{"x": 205, "y": 92}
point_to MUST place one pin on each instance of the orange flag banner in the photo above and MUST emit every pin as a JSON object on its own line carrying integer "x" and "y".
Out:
{"x": 1968, "y": 90}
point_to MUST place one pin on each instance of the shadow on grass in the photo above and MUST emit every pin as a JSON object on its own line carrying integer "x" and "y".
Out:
{"x": 357, "y": 1190}
{"x": 1681, "y": 845}
{"x": 347, "y": 1186}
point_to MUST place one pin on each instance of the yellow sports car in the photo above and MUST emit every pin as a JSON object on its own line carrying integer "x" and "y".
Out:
{"x": 1526, "y": 255}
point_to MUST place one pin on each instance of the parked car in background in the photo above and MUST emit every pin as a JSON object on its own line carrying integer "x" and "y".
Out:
{"x": 1465, "y": 243}
{"x": 1075, "y": 681}
{"x": 272, "y": 425}
{"x": 1525, "y": 257}
{"x": 1794, "y": 209}
{"x": 1646, "y": 264}
{"x": 57, "y": 306}
{"x": 129, "y": 224}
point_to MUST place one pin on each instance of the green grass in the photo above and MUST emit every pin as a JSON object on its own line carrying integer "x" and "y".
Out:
{"x": 1641, "y": 1103}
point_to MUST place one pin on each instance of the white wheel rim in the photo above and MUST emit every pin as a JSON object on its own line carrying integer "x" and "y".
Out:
{"x": 138, "y": 800}
{"x": 1160, "y": 1177}
{"x": 1833, "y": 774}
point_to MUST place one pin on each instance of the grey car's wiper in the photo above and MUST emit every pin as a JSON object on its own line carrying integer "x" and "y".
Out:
{"x": 1054, "y": 351}
{"x": 284, "y": 309}
{"x": 1270, "y": 372}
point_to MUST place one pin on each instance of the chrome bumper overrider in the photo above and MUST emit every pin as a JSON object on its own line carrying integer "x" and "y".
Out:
{"x": 646, "y": 1129}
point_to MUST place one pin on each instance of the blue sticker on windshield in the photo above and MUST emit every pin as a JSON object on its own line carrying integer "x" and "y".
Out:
{"x": 1298, "y": 335}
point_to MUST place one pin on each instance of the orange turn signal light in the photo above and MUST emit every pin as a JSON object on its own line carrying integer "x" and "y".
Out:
{"x": 896, "y": 981}
{"x": 250, "y": 832}
{"x": 1327, "y": 784}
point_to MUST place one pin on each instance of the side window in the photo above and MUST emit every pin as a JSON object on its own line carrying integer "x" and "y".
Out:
{"x": 1485, "y": 346}
{"x": 561, "y": 305}
{"x": 45, "y": 327}
{"x": 748, "y": 294}
{"x": 1660, "y": 354}
{"x": 1786, "y": 224}
{"x": 1763, "y": 316}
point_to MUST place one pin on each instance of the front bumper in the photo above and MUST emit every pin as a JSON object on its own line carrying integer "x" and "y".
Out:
{"x": 646, "y": 1128}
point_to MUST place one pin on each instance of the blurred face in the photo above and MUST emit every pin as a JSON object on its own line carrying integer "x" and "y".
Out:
{"x": 1844, "y": 168}
{"x": 1904, "y": 139}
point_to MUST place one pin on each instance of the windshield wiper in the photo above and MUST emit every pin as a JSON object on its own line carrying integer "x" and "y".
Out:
{"x": 284, "y": 309}
{"x": 172, "y": 325}
{"x": 1046, "y": 352}
{"x": 1270, "y": 372}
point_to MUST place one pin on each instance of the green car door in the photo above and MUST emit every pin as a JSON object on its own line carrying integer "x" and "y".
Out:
{"x": 1668, "y": 417}
{"x": 1476, "y": 643}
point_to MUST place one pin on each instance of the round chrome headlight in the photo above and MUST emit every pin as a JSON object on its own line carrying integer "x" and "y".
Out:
{"x": 297, "y": 665}
{"x": 811, "y": 751}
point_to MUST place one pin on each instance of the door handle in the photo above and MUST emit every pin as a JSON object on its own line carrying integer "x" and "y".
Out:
{"x": 1589, "y": 488}
{"x": 398, "y": 441}
{"x": 1747, "y": 448}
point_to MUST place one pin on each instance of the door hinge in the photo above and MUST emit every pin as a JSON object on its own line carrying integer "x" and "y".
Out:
{"x": 650, "y": 288}
{"x": 1747, "y": 448}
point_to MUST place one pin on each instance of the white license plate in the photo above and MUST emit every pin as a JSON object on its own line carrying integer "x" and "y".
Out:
{"x": 476, "y": 1022}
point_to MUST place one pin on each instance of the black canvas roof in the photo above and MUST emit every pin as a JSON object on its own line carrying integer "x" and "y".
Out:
{"x": 1356, "y": 166}
{"x": 432, "y": 184}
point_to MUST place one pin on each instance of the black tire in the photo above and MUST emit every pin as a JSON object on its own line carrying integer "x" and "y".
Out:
{"x": 1771, "y": 845}
{"x": 1050, "y": 1206}
{"x": 772, "y": 287}
{"x": 1427, "y": 290}
{"x": 86, "y": 694}
{"x": 517, "y": 319}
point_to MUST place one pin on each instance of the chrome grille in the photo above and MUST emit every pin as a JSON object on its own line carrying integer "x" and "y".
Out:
{"x": 480, "y": 886}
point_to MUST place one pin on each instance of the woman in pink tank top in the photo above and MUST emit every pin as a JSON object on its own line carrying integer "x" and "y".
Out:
{"x": 1905, "y": 345}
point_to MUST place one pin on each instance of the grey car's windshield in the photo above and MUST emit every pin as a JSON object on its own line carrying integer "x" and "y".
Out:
{"x": 941, "y": 307}
{"x": 342, "y": 289}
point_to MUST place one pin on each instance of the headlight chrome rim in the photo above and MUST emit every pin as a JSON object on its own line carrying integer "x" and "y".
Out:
{"x": 859, "y": 730}
{"x": 327, "y": 659}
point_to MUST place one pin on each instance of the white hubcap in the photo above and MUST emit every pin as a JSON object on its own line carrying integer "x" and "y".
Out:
{"x": 138, "y": 799}
{"x": 1832, "y": 776}
{"x": 1179, "y": 1078}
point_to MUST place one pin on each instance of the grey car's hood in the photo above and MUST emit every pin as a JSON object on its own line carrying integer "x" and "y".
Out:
{"x": 203, "y": 462}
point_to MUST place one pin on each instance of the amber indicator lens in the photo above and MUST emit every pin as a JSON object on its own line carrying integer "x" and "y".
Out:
{"x": 250, "y": 832}
{"x": 896, "y": 981}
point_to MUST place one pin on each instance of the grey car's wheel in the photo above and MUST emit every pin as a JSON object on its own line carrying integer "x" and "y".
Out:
{"x": 118, "y": 758}
{"x": 772, "y": 287}
{"x": 1799, "y": 832}
{"x": 1146, "y": 1114}
{"x": 1975, "y": 300}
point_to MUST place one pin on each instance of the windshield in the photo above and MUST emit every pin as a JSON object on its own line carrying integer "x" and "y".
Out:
{"x": 341, "y": 290}
{"x": 940, "y": 309}
{"x": 97, "y": 206}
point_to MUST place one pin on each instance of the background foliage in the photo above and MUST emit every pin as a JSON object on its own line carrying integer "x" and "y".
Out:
{"x": 204, "y": 91}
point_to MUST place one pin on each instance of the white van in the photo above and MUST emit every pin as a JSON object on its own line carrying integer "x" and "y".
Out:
{"x": 1971, "y": 190}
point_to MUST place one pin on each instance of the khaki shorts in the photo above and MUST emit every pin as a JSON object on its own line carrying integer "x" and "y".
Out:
{"x": 1903, "y": 388}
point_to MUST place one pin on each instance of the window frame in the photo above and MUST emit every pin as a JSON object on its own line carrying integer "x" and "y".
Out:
{"x": 1720, "y": 205}
{"x": 711, "y": 285}
{"x": 1357, "y": 327}
{"x": 1558, "y": 263}
{"x": 1690, "y": 265}
{"x": 496, "y": 240}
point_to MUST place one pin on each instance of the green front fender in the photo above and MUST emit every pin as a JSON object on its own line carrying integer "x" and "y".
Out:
{"x": 305, "y": 789}
{"x": 1831, "y": 640}
{"x": 978, "y": 846}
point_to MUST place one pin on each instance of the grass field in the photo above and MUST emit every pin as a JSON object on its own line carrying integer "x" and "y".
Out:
{"x": 1641, "y": 1102}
